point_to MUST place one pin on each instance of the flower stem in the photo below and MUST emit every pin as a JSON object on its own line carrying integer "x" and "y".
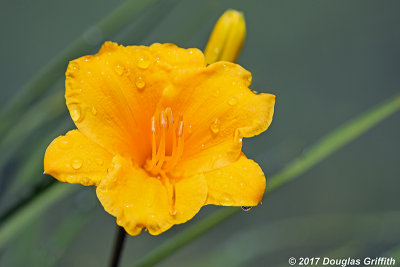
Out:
{"x": 118, "y": 246}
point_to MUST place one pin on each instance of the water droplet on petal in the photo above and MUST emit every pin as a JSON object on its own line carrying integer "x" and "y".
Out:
{"x": 75, "y": 112}
{"x": 76, "y": 164}
{"x": 172, "y": 212}
{"x": 72, "y": 68}
{"x": 140, "y": 83}
{"x": 65, "y": 144}
{"x": 246, "y": 208}
{"x": 74, "y": 65}
{"x": 143, "y": 61}
{"x": 232, "y": 101}
{"x": 203, "y": 146}
{"x": 215, "y": 126}
{"x": 119, "y": 70}
{"x": 94, "y": 111}
{"x": 85, "y": 181}
{"x": 99, "y": 162}
{"x": 189, "y": 129}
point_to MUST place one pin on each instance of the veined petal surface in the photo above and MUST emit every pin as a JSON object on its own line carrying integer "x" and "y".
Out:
{"x": 74, "y": 158}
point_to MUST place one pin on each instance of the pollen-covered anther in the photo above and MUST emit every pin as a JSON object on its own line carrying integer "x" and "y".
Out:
{"x": 167, "y": 142}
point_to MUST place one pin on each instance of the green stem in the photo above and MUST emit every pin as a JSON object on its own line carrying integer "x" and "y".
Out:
{"x": 321, "y": 150}
{"x": 118, "y": 247}
{"x": 54, "y": 70}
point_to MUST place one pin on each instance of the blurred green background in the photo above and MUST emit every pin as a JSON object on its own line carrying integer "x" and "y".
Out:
{"x": 326, "y": 62}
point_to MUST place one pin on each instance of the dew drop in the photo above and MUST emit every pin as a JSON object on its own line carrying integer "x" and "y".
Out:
{"x": 140, "y": 83}
{"x": 246, "y": 208}
{"x": 76, "y": 164}
{"x": 143, "y": 62}
{"x": 232, "y": 101}
{"x": 172, "y": 212}
{"x": 189, "y": 129}
{"x": 65, "y": 144}
{"x": 99, "y": 162}
{"x": 85, "y": 181}
{"x": 203, "y": 146}
{"x": 94, "y": 111}
{"x": 119, "y": 70}
{"x": 75, "y": 113}
{"x": 215, "y": 126}
{"x": 74, "y": 66}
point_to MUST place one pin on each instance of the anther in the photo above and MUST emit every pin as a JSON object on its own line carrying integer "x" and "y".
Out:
{"x": 169, "y": 128}
{"x": 153, "y": 124}
{"x": 180, "y": 132}
{"x": 162, "y": 119}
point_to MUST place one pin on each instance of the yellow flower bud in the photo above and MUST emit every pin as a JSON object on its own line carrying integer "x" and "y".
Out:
{"x": 227, "y": 38}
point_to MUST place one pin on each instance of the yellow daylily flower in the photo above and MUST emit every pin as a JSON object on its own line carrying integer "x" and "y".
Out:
{"x": 160, "y": 134}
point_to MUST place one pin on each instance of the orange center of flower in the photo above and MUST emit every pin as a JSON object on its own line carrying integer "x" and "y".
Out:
{"x": 167, "y": 149}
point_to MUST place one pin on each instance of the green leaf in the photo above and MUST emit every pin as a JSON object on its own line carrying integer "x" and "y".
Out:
{"x": 21, "y": 219}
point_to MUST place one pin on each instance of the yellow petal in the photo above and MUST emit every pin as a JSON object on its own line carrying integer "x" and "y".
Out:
{"x": 112, "y": 95}
{"x": 219, "y": 109}
{"x": 241, "y": 183}
{"x": 227, "y": 38}
{"x": 74, "y": 158}
{"x": 138, "y": 200}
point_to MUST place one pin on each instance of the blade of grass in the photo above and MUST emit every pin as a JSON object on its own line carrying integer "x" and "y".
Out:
{"x": 317, "y": 231}
{"x": 321, "y": 150}
{"x": 49, "y": 108}
{"x": 13, "y": 224}
{"x": 54, "y": 70}
{"x": 22, "y": 185}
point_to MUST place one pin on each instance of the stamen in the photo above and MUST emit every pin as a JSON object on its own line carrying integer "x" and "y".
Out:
{"x": 161, "y": 146}
{"x": 173, "y": 198}
{"x": 171, "y": 191}
{"x": 169, "y": 129}
{"x": 177, "y": 149}
{"x": 153, "y": 142}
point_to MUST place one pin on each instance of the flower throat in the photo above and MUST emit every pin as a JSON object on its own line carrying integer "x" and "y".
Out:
{"x": 167, "y": 135}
